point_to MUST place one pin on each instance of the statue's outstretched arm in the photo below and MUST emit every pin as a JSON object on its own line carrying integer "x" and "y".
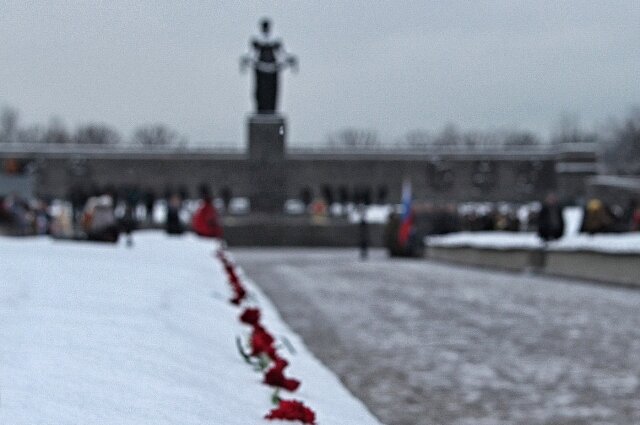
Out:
{"x": 249, "y": 59}
{"x": 286, "y": 60}
{"x": 246, "y": 61}
{"x": 292, "y": 62}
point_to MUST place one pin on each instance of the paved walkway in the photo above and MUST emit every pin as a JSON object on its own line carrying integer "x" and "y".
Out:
{"x": 427, "y": 343}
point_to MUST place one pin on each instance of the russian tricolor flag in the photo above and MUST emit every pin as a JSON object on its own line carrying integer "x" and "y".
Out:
{"x": 406, "y": 222}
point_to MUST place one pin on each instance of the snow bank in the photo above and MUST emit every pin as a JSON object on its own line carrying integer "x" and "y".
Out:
{"x": 493, "y": 240}
{"x": 572, "y": 220}
{"x": 619, "y": 243}
{"x": 373, "y": 214}
{"x": 96, "y": 334}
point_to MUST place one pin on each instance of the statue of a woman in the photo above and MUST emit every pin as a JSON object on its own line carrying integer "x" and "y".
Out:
{"x": 267, "y": 58}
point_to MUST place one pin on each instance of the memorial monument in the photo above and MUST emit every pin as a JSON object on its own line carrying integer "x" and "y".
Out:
{"x": 266, "y": 129}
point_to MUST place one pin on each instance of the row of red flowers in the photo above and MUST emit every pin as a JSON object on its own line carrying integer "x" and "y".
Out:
{"x": 263, "y": 354}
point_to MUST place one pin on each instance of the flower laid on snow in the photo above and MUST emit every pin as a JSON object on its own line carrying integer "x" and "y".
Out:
{"x": 251, "y": 316}
{"x": 292, "y": 410}
{"x": 233, "y": 276}
{"x": 262, "y": 343}
{"x": 264, "y": 352}
{"x": 239, "y": 293}
{"x": 275, "y": 376}
{"x": 224, "y": 260}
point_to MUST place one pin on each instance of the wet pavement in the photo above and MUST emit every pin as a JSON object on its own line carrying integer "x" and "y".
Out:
{"x": 427, "y": 343}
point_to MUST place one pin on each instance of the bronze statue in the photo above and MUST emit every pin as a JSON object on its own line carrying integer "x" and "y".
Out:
{"x": 267, "y": 57}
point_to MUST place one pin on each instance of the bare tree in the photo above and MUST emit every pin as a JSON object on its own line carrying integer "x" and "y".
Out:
{"x": 56, "y": 132}
{"x": 520, "y": 138}
{"x": 96, "y": 134}
{"x": 354, "y": 138}
{"x": 9, "y": 125}
{"x": 476, "y": 139}
{"x": 32, "y": 134}
{"x": 622, "y": 145}
{"x": 418, "y": 139}
{"x": 569, "y": 130}
{"x": 156, "y": 135}
{"x": 448, "y": 136}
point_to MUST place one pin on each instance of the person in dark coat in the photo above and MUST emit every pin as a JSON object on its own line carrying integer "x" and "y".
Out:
{"x": 363, "y": 230}
{"x": 149, "y": 202}
{"x": 128, "y": 223}
{"x": 391, "y": 235}
{"x": 173, "y": 224}
{"x": 631, "y": 217}
{"x": 550, "y": 220}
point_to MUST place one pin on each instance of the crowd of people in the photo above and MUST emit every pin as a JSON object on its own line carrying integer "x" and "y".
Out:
{"x": 104, "y": 216}
{"x": 546, "y": 218}
{"x": 596, "y": 217}
{"x": 21, "y": 217}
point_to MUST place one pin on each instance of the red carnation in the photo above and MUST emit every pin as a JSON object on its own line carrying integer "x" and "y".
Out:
{"x": 234, "y": 279}
{"x": 275, "y": 376}
{"x": 224, "y": 260}
{"x": 292, "y": 410}
{"x": 239, "y": 294}
{"x": 262, "y": 342}
{"x": 251, "y": 316}
{"x": 239, "y": 291}
{"x": 280, "y": 363}
{"x": 230, "y": 269}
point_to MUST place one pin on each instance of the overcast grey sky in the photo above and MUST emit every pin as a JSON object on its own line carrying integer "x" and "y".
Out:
{"x": 391, "y": 66}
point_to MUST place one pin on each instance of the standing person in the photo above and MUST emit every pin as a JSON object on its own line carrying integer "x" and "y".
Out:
{"x": 128, "y": 222}
{"x": 42, "y": 218}
{"x": 174, "y": 225}
{"x": 632, "y": 216}
{"x": 391, "y": 234}
{"x": 149, "y": 203}
{"x": 635, "y": 219}
{"x": 363, "y": 228}
{"x": 205, "y": 220}
{"x": 596, "y": 218}
{"x": 550, "y": 220}
{"x": 102, "y": 225}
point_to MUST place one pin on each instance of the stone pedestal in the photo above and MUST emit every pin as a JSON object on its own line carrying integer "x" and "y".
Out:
{"x": 266, "y": 143}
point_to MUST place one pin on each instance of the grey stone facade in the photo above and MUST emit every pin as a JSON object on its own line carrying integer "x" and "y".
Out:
{"x": 268, "y": 167}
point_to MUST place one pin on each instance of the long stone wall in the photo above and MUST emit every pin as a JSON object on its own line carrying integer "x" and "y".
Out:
{"x": 616, "y": 268}
{"x": 462, "y": 179}
{"x": 454, "y": 176}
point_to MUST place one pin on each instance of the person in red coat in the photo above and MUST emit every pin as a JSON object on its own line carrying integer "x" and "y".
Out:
{"x": 205, "y": 220}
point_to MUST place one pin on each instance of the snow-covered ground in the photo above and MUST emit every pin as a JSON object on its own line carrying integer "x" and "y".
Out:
{"x": 620, "y": 243}
{"x": 97, "y": 334}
